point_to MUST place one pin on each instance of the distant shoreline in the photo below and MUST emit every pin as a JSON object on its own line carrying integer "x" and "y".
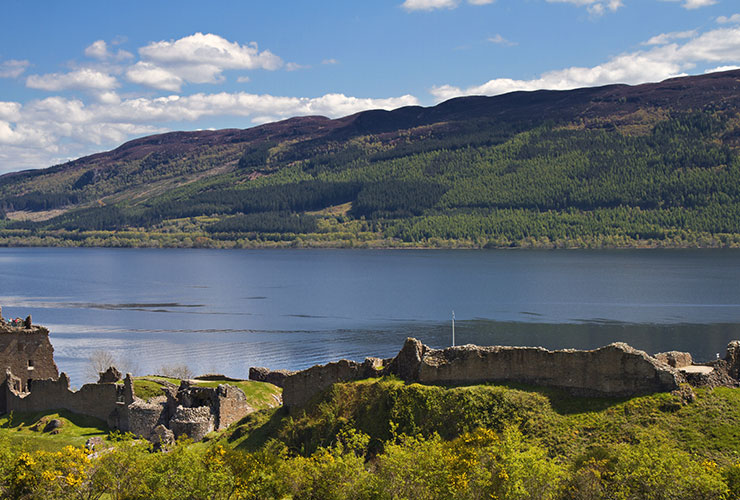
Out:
{"x": 141, "y": 239}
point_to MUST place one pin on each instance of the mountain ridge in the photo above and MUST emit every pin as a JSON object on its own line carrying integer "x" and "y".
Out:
{"x": 465, "y": 102}
{"x": 411, "y": 162}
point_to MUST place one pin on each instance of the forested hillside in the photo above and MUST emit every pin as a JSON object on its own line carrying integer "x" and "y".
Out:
{"x": 616, "y": 166}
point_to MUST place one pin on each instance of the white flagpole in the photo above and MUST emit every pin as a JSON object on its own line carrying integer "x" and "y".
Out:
{"x": 453, "y": 328}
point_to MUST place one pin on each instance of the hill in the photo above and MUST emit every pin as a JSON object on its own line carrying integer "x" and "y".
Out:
{"x": 381, "y": 439}
{"x": 647, "y": 165}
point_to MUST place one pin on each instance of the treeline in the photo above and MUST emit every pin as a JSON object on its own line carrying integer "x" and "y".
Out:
{"x": 38, "y": 201}
{"x": 260, "y": 207}
{"x": 396, "y": 199}
{"x": 322, "y": 158}
{"x": 516, "y": 225}
{"x": 559, "y": 169}
{"x": 90, "y": 219}
{"x": 297, "y": 197}
{"x": 267, "y": 222}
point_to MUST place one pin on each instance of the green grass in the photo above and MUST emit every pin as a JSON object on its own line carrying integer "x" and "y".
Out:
{"x": 147, "y": 389}
{"x": 565, "y": 425}
{"x": 260, "y": 395}
{"x": 76, "y": 429}
{"x": 171, "y": 380}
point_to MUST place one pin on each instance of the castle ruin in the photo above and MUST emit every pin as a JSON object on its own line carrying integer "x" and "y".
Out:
{"x": 25, "y": 350}
{"x": 30, "y": 382}
{"x": 616, "y": 370}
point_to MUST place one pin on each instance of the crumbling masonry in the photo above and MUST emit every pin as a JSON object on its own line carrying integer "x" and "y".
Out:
{"x": 29, "y": 382}
{"x": 613, "y": 370}
{"x": 25, "y": 350}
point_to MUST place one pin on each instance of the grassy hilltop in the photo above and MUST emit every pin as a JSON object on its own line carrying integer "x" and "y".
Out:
{"x": 614, "y": 166}
{"x": 383, "y": 439}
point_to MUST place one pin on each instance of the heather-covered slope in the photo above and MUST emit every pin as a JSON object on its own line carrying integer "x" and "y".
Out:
{"x": 648, "y": 165}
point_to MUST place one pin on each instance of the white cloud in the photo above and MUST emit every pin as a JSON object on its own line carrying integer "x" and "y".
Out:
{"x": 81, "y": 79}
{"x": 500, "y": 40}
{"x": 720, "y": 46}
{"x": 10, "y": 111}
{"x": 43, "y": 132}
{"x": 412, "y": 5}
{"x": 291, "y": 66}
{"x": 721, "y": 68}
{"x": 665, "y": 38}
{"x": 151, "y": 75}
{"x": 594, "y": 7}
{"x": 329, "y": 61}
{"x": 243, "y": 79}
{"x": 694, "y": 4}
{"x": 198, "y": 58}
{"x": 197, "y": 106}
{"x": 212, "y": 49}
{"x": 733, "y": 19}
{"x": 108, "y": 97}
{"x": 13, "y": 68}
{"x": 99, "y": 50}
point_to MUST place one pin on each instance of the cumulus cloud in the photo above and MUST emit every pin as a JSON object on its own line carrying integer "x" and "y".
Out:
{"x": 733, "y": 19}
{"x": 722, "y": 68}
{"x": 10, "y": 111}
{"x": 500, "y": 40}
{"x": 412, "y": 5}
{"x": 151, "y": 75}
{"x": 43, "y": 132}
{"x": 81, "y": 79}
{"x": 664, "y": 38}
{"x": 99, "y": 50}
{"x": 291, "y": 66}
{"x": 694, "y": 4}
{"x": 210, "y": 49}
{"x": 13, "y": 68}
{"x": 719, "y": 46}
{"x": 594, "y": 7}
{"x": 198, "y": 58}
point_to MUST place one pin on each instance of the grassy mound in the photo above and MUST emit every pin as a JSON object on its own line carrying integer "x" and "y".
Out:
{"x": 260, "y": 395}
{"x": 27, "y": 430}
{"x": 566, "y": 426}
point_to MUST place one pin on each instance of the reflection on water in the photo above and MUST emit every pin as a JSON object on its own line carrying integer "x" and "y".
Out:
{"x": 224, "y": 311}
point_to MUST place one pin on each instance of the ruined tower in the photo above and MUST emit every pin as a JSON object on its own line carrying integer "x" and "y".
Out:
{"x": 26, "y": 353}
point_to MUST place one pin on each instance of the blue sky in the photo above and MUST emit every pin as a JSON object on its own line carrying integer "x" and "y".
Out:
{"x": 84, "y": 76}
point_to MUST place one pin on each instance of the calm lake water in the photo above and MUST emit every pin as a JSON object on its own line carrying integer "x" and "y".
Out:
{"x": 222, "y": 311}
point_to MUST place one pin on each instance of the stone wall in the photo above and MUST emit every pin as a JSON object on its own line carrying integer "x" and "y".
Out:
{"x": 192, "y": 422}
{"x": 143, "y": 417}
{"x": 732, "y": 358}
{"x": 191, "y": 410}
{"x": 27, "y": 353}
{"x": 30, "y": 382}
{"x": 95, "y": 400}
{"x": 118, "y": 406}
{"x": 614, "y": 370}
{"x": 274, "y": 377}
{"x": 300, "y": 387}
{"x": 676, "y": 359}
{"x": 230, "y": 406}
